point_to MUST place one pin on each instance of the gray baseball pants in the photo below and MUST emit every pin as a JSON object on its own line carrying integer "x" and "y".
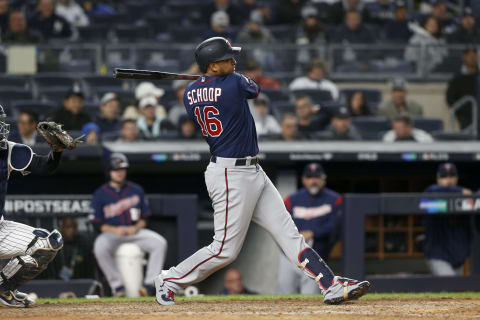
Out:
{"x": 107, "y": 243}
{"x": 239, "y": 194}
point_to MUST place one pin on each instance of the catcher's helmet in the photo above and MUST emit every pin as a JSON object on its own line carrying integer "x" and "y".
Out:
{"x": 4, "y": 129}
{"x": 212, "y": 50}
{"x": 118, "y": 161}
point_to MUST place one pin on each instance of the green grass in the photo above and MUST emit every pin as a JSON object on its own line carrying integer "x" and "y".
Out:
{"x": 427, "y": 295}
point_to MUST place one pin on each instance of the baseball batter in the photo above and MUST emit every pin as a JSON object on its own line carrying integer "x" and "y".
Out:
{"x": 25, "y": 251}
{"x": 238, "y": 187}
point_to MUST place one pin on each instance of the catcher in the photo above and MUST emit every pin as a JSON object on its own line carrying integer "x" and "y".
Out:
{"x": 26, "y": 251}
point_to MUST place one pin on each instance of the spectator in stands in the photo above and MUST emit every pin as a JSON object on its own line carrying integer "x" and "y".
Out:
{"x": 178, "y": 110}
{"x": 403, "y": 131}
{"x": 245, "y": 7}
{"x": 445, "y": 20}
{"x": 468, "y": 32}
{"x": 95, "y": 7}
{"x": 27, "y": 129}
{"x": 265, "y": 123}
{"x": 311, "y": 29}
{"x": 150, "y": 125}
{"x": 233, "y": 284}
{"x": 146, "y": 89}
{"x": 72, "y": 115}
{"x": 222, "y": 5}
{"x": 288, "y": 11}
{"x": 341, "y": 8}
{"x": 315, "y": 79}
{"x": 399, "y": 104}
{"x": 254, "y": 31}
{"x": 289, "y": 128}
{"x": 4, "y": 16}
{"x": 92, "y": 133}
{"x": 431, "y": 38}
{"x": 187, "y": 129}
{"x": 465, "y": 83}
{"x": 397, "y": 30}
{"x": 353, "y": 30}
{"x": 109, "y": 118}
{"x": 72, "y": 12}
{"x": 254, "y": 71}
{"x": 315, "y": 210}
{"x": 219, "y": 26}
{"x": 341, "y": 127}
{"x": 50, "y": 24}
{"x": 448, "y": 239}
{"x": 18, "y": 32}
{"x": 119, "y": 213}
{"x": 310, "y": 120}
{"x": 357, "y": 104}
{"x": 129, "y": 131}
{"x": 75, "y": 260}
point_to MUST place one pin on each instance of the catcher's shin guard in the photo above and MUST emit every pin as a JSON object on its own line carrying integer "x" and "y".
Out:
{"x": 314, "y": 267}
{"x": 40, "y": 252}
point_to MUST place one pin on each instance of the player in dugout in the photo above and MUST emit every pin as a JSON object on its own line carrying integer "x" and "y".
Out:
{"x": 120, "y": 213}
{"x": 315, "y": 211}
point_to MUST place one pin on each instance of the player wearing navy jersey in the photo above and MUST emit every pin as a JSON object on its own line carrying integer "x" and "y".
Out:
{"x": 120, "y": 212}
{"x": 24, "y": 251}
{"x": 315, "y": 211}
{"x": 239, "y": 189}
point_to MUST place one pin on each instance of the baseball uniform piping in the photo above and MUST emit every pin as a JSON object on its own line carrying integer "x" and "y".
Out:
{"x": 223, "y": 241}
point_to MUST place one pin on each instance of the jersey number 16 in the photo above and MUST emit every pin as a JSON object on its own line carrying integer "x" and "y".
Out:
{"x": 210, "y": 125}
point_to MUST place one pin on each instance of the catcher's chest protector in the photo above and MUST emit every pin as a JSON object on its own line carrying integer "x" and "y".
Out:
{"x": 3, "y": 177}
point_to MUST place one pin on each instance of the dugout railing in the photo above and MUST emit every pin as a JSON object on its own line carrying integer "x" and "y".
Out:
{"x": 359, "y": 206}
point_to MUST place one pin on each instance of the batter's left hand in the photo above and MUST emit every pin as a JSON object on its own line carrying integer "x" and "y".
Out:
{"x": 131, "y": 230}
{"x": 307, "y": 234}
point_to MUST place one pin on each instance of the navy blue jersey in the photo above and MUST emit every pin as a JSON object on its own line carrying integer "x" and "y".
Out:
{"x": 122, "y": 207}
{"x": 218, "y": 104}
{"x": 318, "y": 213}
{"x": 447, "y": 237}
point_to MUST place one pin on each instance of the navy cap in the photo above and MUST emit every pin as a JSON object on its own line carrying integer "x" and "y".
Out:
{"x": 73, "y": 92}
{"x": 118, "y": 161}
{"x": 313, "y": 169}
{"x": 467, "y": 11}
{"x": 342, "y": 113}
{"x": 447, "y": 169}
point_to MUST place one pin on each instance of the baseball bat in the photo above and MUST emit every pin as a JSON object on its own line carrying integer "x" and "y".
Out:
{"x": 134, "y": 74}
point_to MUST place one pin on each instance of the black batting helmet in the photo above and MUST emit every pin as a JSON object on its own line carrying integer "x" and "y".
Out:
{"x": 212, "y": 50}
{"x": 118, "y": 161}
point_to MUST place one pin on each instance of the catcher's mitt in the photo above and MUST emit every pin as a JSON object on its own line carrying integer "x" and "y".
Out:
{"x": 57, "y": 138}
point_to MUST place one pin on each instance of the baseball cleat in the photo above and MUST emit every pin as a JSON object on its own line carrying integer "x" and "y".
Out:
{"x": 7, "y": 299}
{"x": 344, "y": 289}
{"x": 163, "y": 295}
{"x": 23, "y": 297}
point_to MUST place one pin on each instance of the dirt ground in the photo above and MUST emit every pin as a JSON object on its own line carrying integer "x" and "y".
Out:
{"x": 253, "y": 309}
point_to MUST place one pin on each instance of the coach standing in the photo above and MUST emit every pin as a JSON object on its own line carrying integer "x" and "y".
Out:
{"x": 315, "y": 211}
{"x": 119, "y": 213}
{"x": 448, "y": 239}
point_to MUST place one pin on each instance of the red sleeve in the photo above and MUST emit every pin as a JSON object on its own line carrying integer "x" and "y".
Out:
{"x": 338, "y": 201}
{"x": 288, "y": 204}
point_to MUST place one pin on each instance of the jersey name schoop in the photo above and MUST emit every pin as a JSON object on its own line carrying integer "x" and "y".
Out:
{"x": 218, "y": 104}
{"x": 203, "y": 95}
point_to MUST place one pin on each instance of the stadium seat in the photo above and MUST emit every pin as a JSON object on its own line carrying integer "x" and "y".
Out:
{"x": 53, "y": 94}
{"x": 93, "y": 33}
{"x": 9, "y": 95}
{"x": 49, "y": 80}
{"x": 42, "y": 108}
{"x": 276, "y": 95}
{"x": 452, "y": 136}
{"x": 371, "y": 127}
{"x": 78, "y": 66}
{"x": 15, "y": 82}
{"x": 428, "y": 124}
{"x": 130, "y": 33}
{"x": 110, "y": 19}
{"x": 95, "y": 83}
{"x": 317, "y": 95}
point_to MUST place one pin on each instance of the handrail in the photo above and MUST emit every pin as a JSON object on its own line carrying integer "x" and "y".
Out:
{"x": 473, "y": 128}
